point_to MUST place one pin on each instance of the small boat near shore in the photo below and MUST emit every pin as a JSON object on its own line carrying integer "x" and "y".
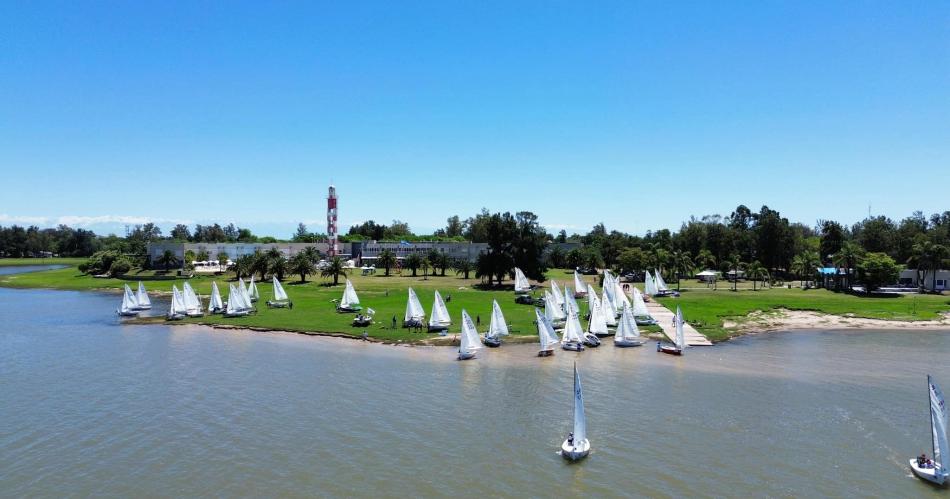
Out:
{"x": 252, "y": 290}
{"x": 576, "y": 446}
{"x": 679, "y": 340}
{"x": 935, "y": 470}
{"x": 142, "y": 301}
{"x": 281, "y": 300}
{"x": 192, "y": 302}
{"x": 415, "y": 314}
{"x": 627, "y": 334}
{"x": 350, "y": 302}
{"x": 546, "y": 334}
{"x": 239, "y": 304}
{"x": 439, "y": 319}
{"x": 571, "y": 339}
{"x": 469, "y": 343}
{"x": 215, "y": 304}
{"x": 176, "y": 310}
{"x": 522, "y": 285}
{"x": 497, "y": 328}
{"x": 128, "y": 307}
{"x": 580, "y": 289}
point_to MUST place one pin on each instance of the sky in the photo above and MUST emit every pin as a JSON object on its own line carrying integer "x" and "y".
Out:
{"x": 635, "y": 114}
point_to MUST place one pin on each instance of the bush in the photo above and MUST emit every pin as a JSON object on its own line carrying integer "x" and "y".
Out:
{"x": 120, "y": 266}
{"x": 876, "y": 270}
{"x": 101, "y": 262}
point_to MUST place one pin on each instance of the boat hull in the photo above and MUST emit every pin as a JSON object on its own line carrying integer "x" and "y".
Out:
{"x": 627, "y": 343}
{"x": 934, "y": 475}
{"x": 572, "y": 346}
{"x": 575, "y": 452}
{"x": 644, "y": 321}
{"x": 491, "y": 342}
{"x": 236, "y": 314}
{"x": 278, "y": 304}
{"x": 591, "y": 340}
{"x": 348, "y": 310}
{"x": 545, "y": 353}
{"x": 145, "y": 307}
{"x": 175, "y": 317}
{"x": 668, "y": 349}
{"x": 466, "y": 355}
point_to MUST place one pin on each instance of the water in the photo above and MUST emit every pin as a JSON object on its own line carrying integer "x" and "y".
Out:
{"x": 22, "y": 269}
{"x": 91, "y": 407}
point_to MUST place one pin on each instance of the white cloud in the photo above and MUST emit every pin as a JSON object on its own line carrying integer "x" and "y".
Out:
{"x": 560, "y": 226}
{"x": 85, "y": 220}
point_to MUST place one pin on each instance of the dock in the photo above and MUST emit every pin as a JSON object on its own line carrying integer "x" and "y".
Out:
{"x": 664, "y": 318}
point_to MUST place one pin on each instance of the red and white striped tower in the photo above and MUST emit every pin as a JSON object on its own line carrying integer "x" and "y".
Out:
{"x": 331, "y": 221}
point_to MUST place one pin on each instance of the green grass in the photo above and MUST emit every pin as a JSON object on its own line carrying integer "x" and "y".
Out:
{"x": 706, "y": 309}
{"x": 16, "y": 262}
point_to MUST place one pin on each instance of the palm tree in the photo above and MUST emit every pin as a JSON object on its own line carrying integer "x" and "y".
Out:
{"x": 312, "y": 254}
{"x": 244, "y": 266}
{"x": 260, "y": 264}
{"x": 848, "y": 257}
{"x": 425, "y": 269}
{"x": 223, "y": 258}
{"x": 706, "y": 259}
{"x": 277, "y": 266}
{"x": 335, "y": 269}
{"x": 168, "y": 259}
{"x": 682, "y": 264}
{"x": 734, "y": 263}
{"x": 387, "y": 259}
{"x": 202, "y": 256}
{"x": 757, "y": 271}
{"x": 928, "y": 256}
{"x": 302, "y": 265}
{"x": 413, "y": 262}
{"x": 463, "y": 266}
{"x": 805, "y": 264}
{"x": 442, "y": 262}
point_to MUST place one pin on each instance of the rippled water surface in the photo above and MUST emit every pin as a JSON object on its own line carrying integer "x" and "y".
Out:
{"x": 92, "y": 407}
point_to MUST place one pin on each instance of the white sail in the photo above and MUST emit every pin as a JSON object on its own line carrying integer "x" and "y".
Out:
{"x": 215, "y": 303}
{"x": 252, "y": 290}
{"x": 128, "y": 301}
{"x": 580, "y": 422}
{"x": 597, "y": 324}
{"x": 639, "y": 306}
{"x": 607, "y": 307}
{"x": 498, "y": 326}
{"x": 469, "y": 336}
{"x": 570, "y": 304}
{"x": 551, "y": 309}
{"x": 680, "y": 339}
{"x": 591, "y": 297}
{"x": 349, "y": 296}
{"x": 572, "y": 329}
{"x": 178, "y": 302}
{"x": 579, "y": 283}
{"x": 521, "y": 282}
{"x": 938, "y": 425}
{"x": 627, "y": 327}
{"x": 414, "y": 310}
{"x": 234, "y": 299}
{"x": 440, "y": 314}
{"x": 660, "y": 283}
{"x": 609, "y": 288}
{"x": 622, "y": 300}
{"x": 556, "y": 293}
{"x": 190, "y": 298}
{"x": 649, "y": 285}
{"x": 545, "y": 333}
{"x": 141, "y": 297}
{"x": 279, "y": 293}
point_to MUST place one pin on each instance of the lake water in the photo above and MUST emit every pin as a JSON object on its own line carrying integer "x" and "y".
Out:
{"x": 93, "y": 407}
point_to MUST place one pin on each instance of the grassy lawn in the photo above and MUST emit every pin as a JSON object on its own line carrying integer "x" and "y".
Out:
{"x": 706, "y": 309}
{"x": 14, "y": 262}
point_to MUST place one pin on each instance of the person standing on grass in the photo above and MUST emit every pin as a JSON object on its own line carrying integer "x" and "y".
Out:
{"x": 394, "y": 322}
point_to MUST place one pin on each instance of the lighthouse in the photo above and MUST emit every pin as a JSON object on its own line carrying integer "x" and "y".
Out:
{"x": 331, "y": 221}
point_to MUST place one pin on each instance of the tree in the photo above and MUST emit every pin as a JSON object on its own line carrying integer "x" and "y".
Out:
{"x": 848, "y": 257}
{"x": 301, "y": 235}
{"x": 463, "y": 266}
{"x": 804, "y": 264}
{"x": 832, "y": 238}
{"x": 682, "y": 264}
{"x": 556, "y": 258}
{"x": 312, "y": 254}
{"x": 425, "y": 268}
{"x": 927, "y": 256}
{"x": 120, "y": 266}
{"x": 260, "y": 264}
{"x": 756, "y": 271}
{"x": 632, "y": 259}
{"x": 168, "y": 259}
{"x": 734, "y": 263}
{"x": 202, "y": 256}
{"x": 387, "y": 259}
{"x": 223, "y": 257}
{"x": 877, "y": 269}
{"x": 453, "y": 226}
{"x": 302, "y": 265}
{"x": 413, "y": 262}
{"x": 706, "y": 259}
{"x": 335, "y": 268}
{"x": 277, "y": 266}
{"x": 181, "y": 233}
{"x": 244, "y": 266}
{"x": 562, "y": 236}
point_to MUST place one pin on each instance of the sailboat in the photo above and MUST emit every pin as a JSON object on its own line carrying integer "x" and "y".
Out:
{"x": 215, "y": 304}
{"x": 621, "y": 295}
{"x": 497, "y": 328}
{"x": 415, "y": 314}
{"x": 350, "y": 302}
{"x": 627, "y": 334}
{"x": 571, "y": 338}
{"x": 141, "y": 298}
{"x": 557, "y": 295}
{"x": 610, "y": 312}
{"x": 640, "y": 311}
{"x": 239, "y": 304}
{"x": 546, "y": 334}
{"x": 576, "y": 446}
{"x": 191, "y": 301}
{"x": 281, "y": 300}
{"x": 129, "y": 307}
{"x": 649, "y": 285}
{"x": 609, "y": 289}
{"x": 522, "y": 285}
{"x": 176, "y": 310}
{"x": 661, "y": 289}
{"x": 937, "y": 470}
{"x": 580, "y": 289}
{"x": 439, "y": 319}
{"x": 679, "y": 341}
{"x": 596, "y": 324}
{"x": 553, "y": 311}
{"x": 252, "y": 290}
{"x": 469, "y": 341}
{"x": 569, "y": 302}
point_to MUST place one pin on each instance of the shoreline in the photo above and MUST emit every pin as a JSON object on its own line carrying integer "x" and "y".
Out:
{"x": 781, "y": 319}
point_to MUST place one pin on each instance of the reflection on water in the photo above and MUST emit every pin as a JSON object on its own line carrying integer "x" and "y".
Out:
{"x": 95, "y": 407}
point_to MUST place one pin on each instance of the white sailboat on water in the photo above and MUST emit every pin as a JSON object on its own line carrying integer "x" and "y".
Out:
{"x": 580, "y": 289}
{"x": 192, "y": 302}
{"x": 553, "y": 311}
{"x": 596, "y": 324}
{"x": 627, "y": 334}
{"x": 521, "y": 282}
{"x": 935, "y": 470}
{"x": 176, "y": 311}
{"x": 469, "y": 343}
{"x": 678, "y": 339}
{"x": 571, "y": 338}
{"x": 281, "y": 300}
{"x": 497, "y": 328}
{"x": 546, "y": 334}
{"x": 350, "y": 302}
{"x": 215, "y": 304}
{"x": 439, "y": 319}
{"x": 415, "y": 314}
{"x": 128, "y": 307}
{"x": 640, "y": 311}
{"x": 252, "y": 290}
{"x": 141, "y": 298}
{"x": 577, "y": 446}
{"x": 610, "y": 313}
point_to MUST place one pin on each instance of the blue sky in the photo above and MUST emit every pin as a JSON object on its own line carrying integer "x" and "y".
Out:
{"x": 635, "y": 114}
